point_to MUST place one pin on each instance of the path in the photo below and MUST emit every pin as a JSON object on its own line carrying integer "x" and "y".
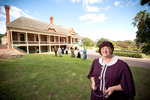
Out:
{"x": 140, "y": 62}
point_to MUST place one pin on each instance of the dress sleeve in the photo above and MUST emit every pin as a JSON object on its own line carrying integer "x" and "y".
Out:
{"x": 91, "y": 71}
{"x": 127, "y": 82}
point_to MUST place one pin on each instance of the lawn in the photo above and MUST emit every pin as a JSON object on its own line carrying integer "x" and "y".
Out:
{"x": 46, "y": 77}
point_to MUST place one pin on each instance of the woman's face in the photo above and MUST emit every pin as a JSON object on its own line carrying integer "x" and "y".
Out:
{"x": 106, "y": 51}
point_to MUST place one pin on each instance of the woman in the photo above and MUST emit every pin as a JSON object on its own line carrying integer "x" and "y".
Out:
{"x": 78, "y": 55}
{"x": 72, "y": 52}
{"x": 60, "y": 53}
{"x": 55, "y": 49}
{"x": 66, "y": 51}
{"x": 111, "y": 77}
{"x": 84, "y": 54}
{"x": 62, "y": 50}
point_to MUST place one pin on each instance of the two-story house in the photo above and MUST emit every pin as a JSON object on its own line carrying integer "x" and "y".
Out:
{"x": 33, "y": 36}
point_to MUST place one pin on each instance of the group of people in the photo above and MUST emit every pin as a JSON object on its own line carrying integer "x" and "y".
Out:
{"x": 79, "y": 54}
{"x": 61, "y": 51}
{"x": 84, "y": 54}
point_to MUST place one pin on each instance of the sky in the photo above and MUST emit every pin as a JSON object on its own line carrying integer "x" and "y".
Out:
{"x": 95, "y": 19}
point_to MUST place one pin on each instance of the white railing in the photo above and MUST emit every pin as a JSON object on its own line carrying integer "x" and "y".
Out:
{"x": 42, "y": 42}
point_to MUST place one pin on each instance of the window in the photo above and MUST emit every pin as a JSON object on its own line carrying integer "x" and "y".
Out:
{"x": 52, "y": 38}
{"x": 37, "y": 38}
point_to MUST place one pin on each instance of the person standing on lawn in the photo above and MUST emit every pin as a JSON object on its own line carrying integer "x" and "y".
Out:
{"x": 72, "y": 52}
{"x": 84, "y": 54}
{"x": 60, "y": 52}
{"x": 55, "y": 49}
{"x": 78, "y": 55}
{"x": 111, "y": 77}
{"x": 66, "y": 51}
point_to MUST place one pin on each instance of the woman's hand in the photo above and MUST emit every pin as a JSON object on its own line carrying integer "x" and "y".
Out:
{"x": 93, "y": 83}
{"x": 110, "y": 90}
{"x": 93, "y": 86}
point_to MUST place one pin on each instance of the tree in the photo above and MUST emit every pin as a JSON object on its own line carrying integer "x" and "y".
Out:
{"x": 146, "y": 49}
{"x": 143, "y": 2}
{"x": 122, "y": 44}
{"x": 137, "y": 44}
{"x": 142, "y": 21}
{"x": 115, "y": 44}
{"x": 87, "y": 42}
{"x": 100, "y": 41}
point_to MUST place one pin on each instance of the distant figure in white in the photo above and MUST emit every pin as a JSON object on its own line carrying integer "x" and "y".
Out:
{"x": 59, "y": 51}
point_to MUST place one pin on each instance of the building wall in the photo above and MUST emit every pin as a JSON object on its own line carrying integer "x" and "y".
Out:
{"x": 4, "y": 40}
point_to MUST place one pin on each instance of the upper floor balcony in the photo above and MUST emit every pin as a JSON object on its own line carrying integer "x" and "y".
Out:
{"x": 41, "y": 42}
{"x": 24, "y": 39}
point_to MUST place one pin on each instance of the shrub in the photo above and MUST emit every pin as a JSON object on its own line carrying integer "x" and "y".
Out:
{"x": 126, "y": 53}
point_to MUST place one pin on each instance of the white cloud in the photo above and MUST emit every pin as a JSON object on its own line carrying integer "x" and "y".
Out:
{"x": 91, "y": 9}
{"x": 117, "y": 3}
{"x": 93, "y": 18}
{"x": 2, "y": 16}
{"x": 87, "y": 2}
{"x": 59, "y": 0}
{"x": 16, "y": 12}
{"x": 87, "y": 5}
{"x": 107, "y": 7}
{"x": 3, "y": 27}
{"x": 75, "y": 1}
{"x": 135, "y": 2}
{"x": 2, "y": 9}
{"x": 95, "y": 1}
{"x": 128, "y": 3}
{"x": 27, "y": 11}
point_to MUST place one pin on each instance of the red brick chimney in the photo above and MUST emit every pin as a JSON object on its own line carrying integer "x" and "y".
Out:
{"x": 7, "y": 13}
{"x": 51, "y": 19}
{"x": 8, "y": 31}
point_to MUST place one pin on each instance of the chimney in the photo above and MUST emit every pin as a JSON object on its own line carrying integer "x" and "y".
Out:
{"x": 7, "y": 14}
{"x": 51, "y": 19}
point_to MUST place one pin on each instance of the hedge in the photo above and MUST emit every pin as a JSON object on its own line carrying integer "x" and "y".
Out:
{"x": 126, "y": 53}
{"x": 134, "y": 55}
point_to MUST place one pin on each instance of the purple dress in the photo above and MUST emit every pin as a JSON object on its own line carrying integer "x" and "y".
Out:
{"x": 114, "y": 73}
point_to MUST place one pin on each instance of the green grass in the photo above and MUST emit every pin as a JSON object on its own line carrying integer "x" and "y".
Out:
{"x": 144, "y": 55}
{"x": 46, "y": 77}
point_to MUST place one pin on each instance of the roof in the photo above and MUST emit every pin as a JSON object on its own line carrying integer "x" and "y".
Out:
{"x": 4, "y": 37}
{"x": 32, "y": 24}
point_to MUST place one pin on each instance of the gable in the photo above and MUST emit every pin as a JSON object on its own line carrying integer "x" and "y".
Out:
{"x": 50, "y": 28}
{"x": 72, "y": 32}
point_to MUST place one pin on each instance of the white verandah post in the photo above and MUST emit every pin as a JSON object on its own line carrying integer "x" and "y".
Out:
{"x": 11, "y": 39}
{"x": 27, "y": 43}
{"x": 50, "y": 43}
{"x": 59, "y": 41}
{"x": 39, "y": 43}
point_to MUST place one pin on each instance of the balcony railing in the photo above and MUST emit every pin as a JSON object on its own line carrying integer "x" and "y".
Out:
{"x": 44, "y": 42}
{"x": 54, "y": 42}
{"x": 19, "y": 42}
{"x": 37, "y": 42}
{"x": 33, "y": 42}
